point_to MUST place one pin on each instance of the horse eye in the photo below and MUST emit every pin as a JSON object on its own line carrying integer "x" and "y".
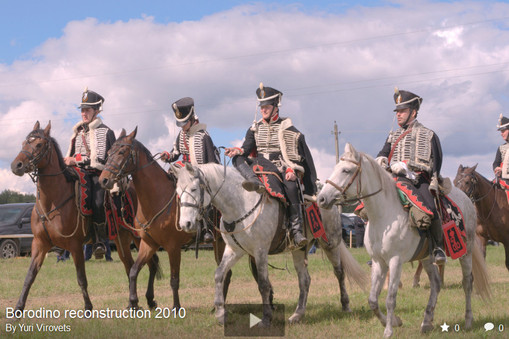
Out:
{"x": 193, "y": 189}
{"x": 38, "y": 146}
{"x": 346, "y": 170}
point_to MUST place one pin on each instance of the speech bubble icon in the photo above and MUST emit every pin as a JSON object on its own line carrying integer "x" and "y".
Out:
{"x": 488, "y": 327}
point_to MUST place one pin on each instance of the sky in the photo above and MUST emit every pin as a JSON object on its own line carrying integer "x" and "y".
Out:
{"x": 334, "y": 61}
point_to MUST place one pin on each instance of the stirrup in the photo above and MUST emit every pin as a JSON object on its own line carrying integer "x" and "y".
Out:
{"x": 208, "y": 237}
{"x": 99, "y": 250}
{"x": 299, "y": 239}
{"x": 251, "y": 186}
{"x": 439, "y": 257}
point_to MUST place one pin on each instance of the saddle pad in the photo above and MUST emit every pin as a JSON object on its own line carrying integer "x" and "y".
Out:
{"x": 455, "y": 246}
{"x": 271, "y": 180}
{"x": 314, "y": 219}
{"x": 115, "y": 217}
{"x": 450, "y": 211}
{"x": 84, "y": 191}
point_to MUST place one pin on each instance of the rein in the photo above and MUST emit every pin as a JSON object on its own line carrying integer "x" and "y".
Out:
{"x": 474, "y": 180}
{"x": 343, "y": 190}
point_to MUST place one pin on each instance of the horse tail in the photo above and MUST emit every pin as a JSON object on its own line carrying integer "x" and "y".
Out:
{"x": 480, "y": 273}
{"x": 157, "y": 266}
{"x": 352, "y": 268}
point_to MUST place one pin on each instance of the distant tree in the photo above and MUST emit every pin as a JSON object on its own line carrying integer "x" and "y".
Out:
{"x": 8, "y": 197}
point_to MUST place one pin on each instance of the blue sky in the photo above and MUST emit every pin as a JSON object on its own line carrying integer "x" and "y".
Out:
{"x": 27, "y": 24}
{"x": 333, "y": 60}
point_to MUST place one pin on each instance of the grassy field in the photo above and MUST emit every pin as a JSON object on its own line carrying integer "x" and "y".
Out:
{"x": 56, "y": 289}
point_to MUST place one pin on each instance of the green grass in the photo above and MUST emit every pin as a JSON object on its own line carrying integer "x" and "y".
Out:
{"x": 56, "y": 288}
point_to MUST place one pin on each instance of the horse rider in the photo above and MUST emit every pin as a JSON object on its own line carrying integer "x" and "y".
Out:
{"x": 414, "y": 155}
{"x": 501, "y": 163}
{"x": 193, "y": 142}
{"x": 90, "y": 142}
{"x": 275, "y": 144}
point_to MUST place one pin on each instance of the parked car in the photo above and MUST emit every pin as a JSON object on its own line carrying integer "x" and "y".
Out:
{"x": 350, "y": 221}
{"x": 15, "y": 231}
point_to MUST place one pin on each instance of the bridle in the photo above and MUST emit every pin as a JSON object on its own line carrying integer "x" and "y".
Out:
{"x": 120, "y": 171}
{"x": 342, "y": 190}
{"x": 35, "y": 157}
{"x": 474, "y": 181}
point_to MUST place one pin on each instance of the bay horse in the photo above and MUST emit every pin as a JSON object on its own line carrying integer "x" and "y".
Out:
{"x": 56, "y": 219}
{"x": 492, "y": 207}
{"x": 391, "y": 241}
{"x": 157, "y": 214}
{"x": 252, "y": 224}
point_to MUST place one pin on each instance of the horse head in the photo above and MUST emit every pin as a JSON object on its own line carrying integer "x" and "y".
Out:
{"x": 194, "y": 193}
{"x": 343, "y": 182}
{"x": 466, "y": 180}
{"x": 122, "y": 160}
{"x": 35, "y": 151}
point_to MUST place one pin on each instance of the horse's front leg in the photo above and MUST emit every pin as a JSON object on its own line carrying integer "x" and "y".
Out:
{"x": 378, "y": 273}
{"x": 79, "y": 262}
{"x": 265, "y": 287}
{"x": 145, "y": 253}
{"x": 392, "y": 293}
{"x": 334, "y": 256}
{"x": 174, "y": 253}
{"x": 300, "y": 264}
{"x": 229, "y": 259}
{"x": 466, "y": 269}
{"x": 434, "y": 282}
{"x": 39, "y": 251}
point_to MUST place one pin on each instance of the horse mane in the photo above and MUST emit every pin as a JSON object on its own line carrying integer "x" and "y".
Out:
{"x": 385, "y": 177}
{"x": 214, "y": 173}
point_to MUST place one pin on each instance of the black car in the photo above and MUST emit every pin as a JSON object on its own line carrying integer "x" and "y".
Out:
{"x": 15, "y": 231}
{"x": 353, "y": 224}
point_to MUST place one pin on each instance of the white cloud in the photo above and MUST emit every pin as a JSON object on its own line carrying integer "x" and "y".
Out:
{"x": 330, "y": 67}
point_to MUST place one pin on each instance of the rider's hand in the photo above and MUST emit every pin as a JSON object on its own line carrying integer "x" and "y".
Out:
{"x": 165, "y": 156}
{"x": 498, "y": 171}
{"x": 232, "y": 151}
{"x": 290, "y": 176}
{"x": 70, "y": 161}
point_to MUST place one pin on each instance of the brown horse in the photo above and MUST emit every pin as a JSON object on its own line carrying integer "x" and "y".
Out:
{"x": 491, "y": 204}
{"x": 56, "y": 220}
{"x": 157, "y": 214}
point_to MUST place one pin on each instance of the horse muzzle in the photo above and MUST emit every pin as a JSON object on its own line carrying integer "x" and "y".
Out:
{"x": 19, "y": 168}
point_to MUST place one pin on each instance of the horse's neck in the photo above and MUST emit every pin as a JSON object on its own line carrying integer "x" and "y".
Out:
{"x": 153, "y": 186}
{"x": 229, "y": 197}
{"x": 52, "y": 186}
{"x": 484, "y": 199}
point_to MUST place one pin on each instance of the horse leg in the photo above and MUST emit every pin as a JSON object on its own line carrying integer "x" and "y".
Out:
{"x": 39, "y": 251}
{"x": 506, "y": 247}
{"x": 174, "y": 254}
{"x": 417, "y": 275}
{"x": 144, "y": 254}
{"x": 79, "y": 263}
{"x": 392, "y": 293}
{"x": 333, "y": 254}
{"x": 378, "y": 273}
{"x": 434, "y": 282}
{"x": 264, "y": 286}
{"x": 300, "y": 264}
{"x": 219, "y": 246}
{"x": 229, "y": 259}
{"x": 154, "y": 271}
{"x": 467, "y": 281}
{"x": 254, "y": 272}
{"x": 123, "y": 242}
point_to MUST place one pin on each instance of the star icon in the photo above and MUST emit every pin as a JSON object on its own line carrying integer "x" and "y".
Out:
{"x": 445, "y": 327}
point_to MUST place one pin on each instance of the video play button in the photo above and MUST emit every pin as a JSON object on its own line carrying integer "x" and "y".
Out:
{"x": 253, "y": 320}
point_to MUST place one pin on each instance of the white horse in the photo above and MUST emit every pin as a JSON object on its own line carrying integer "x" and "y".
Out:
{"x": 255, "y": 222}
{"x": 391, "y": 241}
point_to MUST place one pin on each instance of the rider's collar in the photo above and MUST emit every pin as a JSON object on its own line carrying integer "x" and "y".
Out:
{"x": 274, "y": 118}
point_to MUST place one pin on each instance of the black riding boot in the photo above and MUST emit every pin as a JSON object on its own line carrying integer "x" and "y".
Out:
{"x": 296, "y": 225}
{"x": 99, "y": 248}
{"x": 437, "y": 240}
{"x": 252, "y": 183}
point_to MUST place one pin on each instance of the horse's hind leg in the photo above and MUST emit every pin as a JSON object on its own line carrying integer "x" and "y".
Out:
{"x": 145, "y": 253}
{"x": 254, "y": 272}
{"x": 434, "y": 281}
{"x": 299, "y": 262}
{"x": 417, "y": 275}
{"x": 229, "y": 259}
{"x": 174, "y": 254}
{"x": 466, "y": 269}
{"x": 392, "y": 293}
{"x": 506, "y": 247}
{"x": 154, "y": 271}
{"x": 335, "y": 259}
{"x": 265, "y": 288}
{"x": 219, "y": 246}
{"x": 39, "y": 251}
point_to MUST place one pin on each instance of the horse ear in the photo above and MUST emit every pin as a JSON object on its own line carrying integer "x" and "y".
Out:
{"x": 190, "y": 168}
{"x": 350, "y": 149}
{"x": 37, "y": 125}
{"x": 474, "y": 167}
{"x": 47, "y": 129}
{"x": 460, "y": 169}
{"x": 122, "y": 133}
{"x": 133, "y": 133}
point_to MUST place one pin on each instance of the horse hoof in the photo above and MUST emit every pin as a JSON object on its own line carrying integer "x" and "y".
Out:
{"x": 152, "y": 305}
{"x": 347, "y": 309}
{"x": 220, "y": 316}
{"x": 425, "y": 328}
{"x": 397, "y": 321}
{"x": 295, "y": 318}
{"x": 416, "y": 285}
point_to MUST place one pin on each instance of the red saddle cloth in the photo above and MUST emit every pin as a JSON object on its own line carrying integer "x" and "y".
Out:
{"x": 453, "y": 227}
{"x": 84, "y": 194}
{"x": 314, "y": 219}
{"x": 119, "y": 213}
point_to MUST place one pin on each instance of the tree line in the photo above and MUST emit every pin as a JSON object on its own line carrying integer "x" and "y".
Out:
{"x": 8, "y": 197}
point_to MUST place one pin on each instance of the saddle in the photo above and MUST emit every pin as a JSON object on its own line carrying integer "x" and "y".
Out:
{"x": 119, "y": 210}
